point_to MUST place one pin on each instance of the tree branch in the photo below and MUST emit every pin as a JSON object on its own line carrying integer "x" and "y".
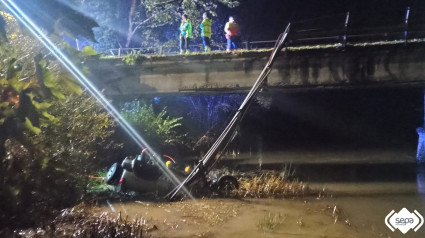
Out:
{"x": 162, "y": 3}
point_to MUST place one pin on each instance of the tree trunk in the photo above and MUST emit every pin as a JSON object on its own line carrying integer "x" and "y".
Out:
{"x": 130, "y": 32}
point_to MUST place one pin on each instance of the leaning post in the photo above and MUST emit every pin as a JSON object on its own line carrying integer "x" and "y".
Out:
{"x": 344, "y": 38}
{"x": 406, "y": 24}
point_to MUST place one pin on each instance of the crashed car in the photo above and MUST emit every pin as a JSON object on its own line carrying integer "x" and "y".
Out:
{"x": 142, "y": 174}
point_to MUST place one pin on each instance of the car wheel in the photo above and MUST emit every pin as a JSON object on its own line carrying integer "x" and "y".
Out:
{"x": 113, "y": 174}
{"x": 227, "y": 184}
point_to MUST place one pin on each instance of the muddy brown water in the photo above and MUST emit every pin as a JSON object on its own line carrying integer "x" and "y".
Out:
{"x": 362, "y": 202}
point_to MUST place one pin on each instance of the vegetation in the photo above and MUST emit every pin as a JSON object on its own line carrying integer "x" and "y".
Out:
{"x": 157, "y": 128}
{"x": 136, "y": 58}
{"x": 79, "y": 222}
{"x": 48, "y": 128}
{"x": 271, "y": 222}
{"x": 97, "y": 185}
{"x": 81, "y": 138}
{"x": 270, "y": 184}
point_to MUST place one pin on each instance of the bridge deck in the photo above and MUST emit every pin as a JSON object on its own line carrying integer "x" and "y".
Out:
{"x": 327, "y": 66}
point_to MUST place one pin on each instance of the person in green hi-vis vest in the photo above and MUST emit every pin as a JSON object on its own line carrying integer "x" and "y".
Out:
{"x": 206, "y": 32}
{"x": 185, "y": 34}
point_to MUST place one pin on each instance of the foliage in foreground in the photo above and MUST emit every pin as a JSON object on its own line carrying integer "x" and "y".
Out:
{"x": 78, "y": 222}
{"x": 81, "y": 138}
{"x": 52, "y": 170}
{"x": 50, "y": 132}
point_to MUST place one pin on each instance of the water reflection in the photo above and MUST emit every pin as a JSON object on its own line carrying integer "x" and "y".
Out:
{"x": 420, "y": 179}
{"x": 366, "y": 184}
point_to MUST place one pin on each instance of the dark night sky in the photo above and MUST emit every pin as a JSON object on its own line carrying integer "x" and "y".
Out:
{"x": 265, "y": 19}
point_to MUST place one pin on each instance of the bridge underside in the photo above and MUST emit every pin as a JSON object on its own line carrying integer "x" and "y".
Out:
{"x": 296, "y": 69}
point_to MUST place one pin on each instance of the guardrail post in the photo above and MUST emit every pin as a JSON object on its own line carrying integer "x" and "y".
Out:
{"x": 246, "y": 45}
{"x": 77, "y": 44}
{"x": 119, "y": 51}
{"x": 160, "y": 50}
{"x": 344, "y": 38}
{"x": 406, "y": 24}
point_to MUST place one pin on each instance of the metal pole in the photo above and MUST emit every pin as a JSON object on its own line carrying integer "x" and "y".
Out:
{"x": 344, "y": 38}
{"x": 119, "y": 51}
{"x": 406, "y": 24}
{"x": 246, "y": 45}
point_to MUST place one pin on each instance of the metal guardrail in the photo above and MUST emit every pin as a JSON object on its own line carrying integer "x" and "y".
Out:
{"x": 169, "y": 50}
{"x": 342, "y": 34}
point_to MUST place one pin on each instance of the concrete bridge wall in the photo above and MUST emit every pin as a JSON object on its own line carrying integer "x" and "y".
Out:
{"x": 295, "y": 68}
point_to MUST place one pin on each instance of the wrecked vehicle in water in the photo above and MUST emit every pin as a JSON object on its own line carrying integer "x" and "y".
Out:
{"x": 142, "y": 174}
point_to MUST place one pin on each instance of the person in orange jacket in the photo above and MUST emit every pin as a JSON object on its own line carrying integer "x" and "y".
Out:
{"x": 232, "y": 34}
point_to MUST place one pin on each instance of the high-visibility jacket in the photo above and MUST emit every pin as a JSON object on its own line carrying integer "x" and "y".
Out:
{"x": 186, "y": 29}
{"x": 206, "y": 28}
{"x": 231, "y": 29}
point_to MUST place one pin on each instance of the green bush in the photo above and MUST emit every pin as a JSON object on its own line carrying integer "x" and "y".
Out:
{"x": 51, "y": 133}
{"x": 97, "y": 185}
{"x": 52, "y": 170}
{"x": 82, "y": 132}
{"x": 158, "y": 129}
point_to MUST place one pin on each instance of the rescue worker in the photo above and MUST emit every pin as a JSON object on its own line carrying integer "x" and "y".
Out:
{"x": 185, "y": 34}
{"x": 232, "y": 34}
{"x": 206, "y": 32}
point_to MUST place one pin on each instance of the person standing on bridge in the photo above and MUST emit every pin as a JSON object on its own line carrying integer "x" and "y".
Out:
{"x": 206, "y": 32}
{"x": 232, "y": 34}
{"x": 185, "y": 34}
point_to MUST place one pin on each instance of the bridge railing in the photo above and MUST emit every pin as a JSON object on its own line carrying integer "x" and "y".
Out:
{"x": 342, "y": 29}
{"x": 170, "y": 50}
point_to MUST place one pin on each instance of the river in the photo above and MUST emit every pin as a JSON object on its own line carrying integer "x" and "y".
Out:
{"x": 360, "y": 188}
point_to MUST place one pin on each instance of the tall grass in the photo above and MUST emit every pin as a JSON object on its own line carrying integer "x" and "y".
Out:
{"x": 269, "y": 184}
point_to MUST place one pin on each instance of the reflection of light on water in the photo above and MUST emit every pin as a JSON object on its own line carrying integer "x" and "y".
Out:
{"x": 420, "y": 178}
{"x": 110, "y": 206}
{"x": 260, "y": 152}
{"x": 420, "y": 155}
{"x": 66, "y": 62}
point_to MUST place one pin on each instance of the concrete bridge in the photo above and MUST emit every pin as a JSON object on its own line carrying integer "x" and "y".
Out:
{"x": 303, "y": 68}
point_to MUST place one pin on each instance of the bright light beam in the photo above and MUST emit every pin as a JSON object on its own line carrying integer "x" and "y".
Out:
{"x": 43, "y": 38}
